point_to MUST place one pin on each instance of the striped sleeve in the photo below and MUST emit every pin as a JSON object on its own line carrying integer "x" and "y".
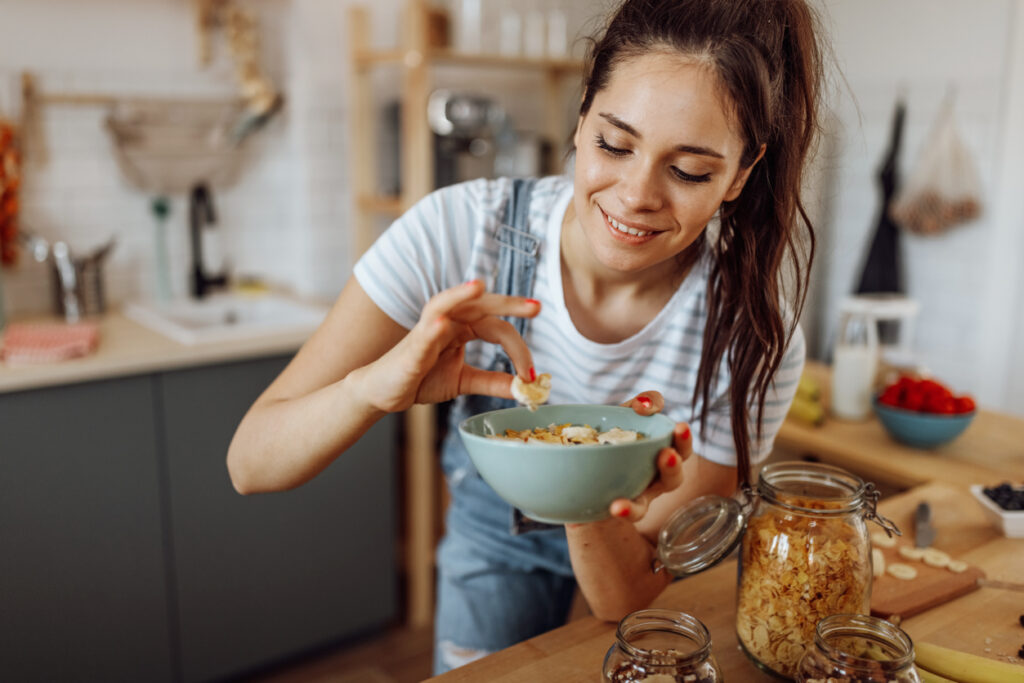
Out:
{"x": 716, "y": 442}
{"x": 420, "y": 254}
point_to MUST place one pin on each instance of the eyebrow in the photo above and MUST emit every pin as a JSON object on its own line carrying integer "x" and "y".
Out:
{"x": 688, "y": 149}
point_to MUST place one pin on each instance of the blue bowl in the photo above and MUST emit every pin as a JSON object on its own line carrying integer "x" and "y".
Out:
{"x": 921, "y": 430}
{"x": 562, "y": 484}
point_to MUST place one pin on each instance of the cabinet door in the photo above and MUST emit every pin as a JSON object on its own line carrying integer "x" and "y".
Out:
{"x": 83, "y": 589}
{"x": 265, "y": 577}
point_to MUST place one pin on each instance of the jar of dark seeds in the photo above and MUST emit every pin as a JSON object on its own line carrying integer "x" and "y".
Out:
{"x": 856, "y": 647}
{"x": 661, "y": 646}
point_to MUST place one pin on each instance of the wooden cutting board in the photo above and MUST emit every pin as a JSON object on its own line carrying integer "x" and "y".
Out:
{"x": 932, "y": 586}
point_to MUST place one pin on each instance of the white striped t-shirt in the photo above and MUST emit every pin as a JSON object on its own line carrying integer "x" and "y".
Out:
{"x": 449, "y": 237}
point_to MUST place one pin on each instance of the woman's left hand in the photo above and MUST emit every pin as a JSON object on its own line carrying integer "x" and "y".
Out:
{"x": 670, "y": 461}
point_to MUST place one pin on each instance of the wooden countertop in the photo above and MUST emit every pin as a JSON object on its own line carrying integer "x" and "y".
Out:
{"x": 990, "y": 451}
{"x": 128, "y": 348}
{"x": 984, "y": 622}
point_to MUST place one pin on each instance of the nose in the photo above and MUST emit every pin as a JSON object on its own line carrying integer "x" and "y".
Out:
{"x": 640, "y": 189}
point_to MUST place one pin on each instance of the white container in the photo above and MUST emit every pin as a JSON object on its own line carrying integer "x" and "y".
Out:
{"x": 854, "y": 361}
{"x": 1010, "y": 522}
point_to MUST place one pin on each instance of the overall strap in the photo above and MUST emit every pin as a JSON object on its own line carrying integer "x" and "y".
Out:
{"x": 518, "y": 249}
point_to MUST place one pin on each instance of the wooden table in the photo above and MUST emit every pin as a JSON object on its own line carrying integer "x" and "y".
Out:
{"x": 984, "y": 622}
{"x": 990, "y": 451}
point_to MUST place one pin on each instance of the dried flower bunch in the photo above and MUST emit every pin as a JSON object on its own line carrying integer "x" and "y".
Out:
{"x": 797, "y": 569}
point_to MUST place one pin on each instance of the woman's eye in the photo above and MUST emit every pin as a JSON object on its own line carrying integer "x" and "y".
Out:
{"x": 603, "y": 144}
{"x": 690, "y": 178}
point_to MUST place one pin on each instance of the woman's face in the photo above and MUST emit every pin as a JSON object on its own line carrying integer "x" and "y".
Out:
{"x": 656, "y": 155}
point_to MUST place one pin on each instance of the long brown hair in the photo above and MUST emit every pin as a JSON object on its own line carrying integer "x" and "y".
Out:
{"x": 768, "y": 62}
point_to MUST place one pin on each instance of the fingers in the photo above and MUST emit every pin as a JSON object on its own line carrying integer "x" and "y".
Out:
{"x": 498, "y": 331}
{"x": 682, "y": 439}
{"x": 646, "y": 403}
{"x": 484, "y": 382}
{"x": 670, "y": 476}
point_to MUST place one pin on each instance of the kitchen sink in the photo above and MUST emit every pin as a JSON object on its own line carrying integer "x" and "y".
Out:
{"x": 226, "y": 317}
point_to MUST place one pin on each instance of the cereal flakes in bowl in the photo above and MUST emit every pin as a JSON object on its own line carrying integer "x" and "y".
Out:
{"x": 566, "y": 463}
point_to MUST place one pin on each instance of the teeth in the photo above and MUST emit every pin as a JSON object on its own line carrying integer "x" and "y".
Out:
{"x": 622, "y": 228}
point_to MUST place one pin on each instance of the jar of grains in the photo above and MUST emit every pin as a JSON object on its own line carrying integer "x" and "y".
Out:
{"x": 854, "y": 647}
{"x": 805, "y": 555}
{"x": 661, "y": 646}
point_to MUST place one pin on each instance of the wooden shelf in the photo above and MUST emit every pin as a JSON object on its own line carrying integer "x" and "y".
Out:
{"x": 386, "y": 205}
{"x": 416, "y": 61}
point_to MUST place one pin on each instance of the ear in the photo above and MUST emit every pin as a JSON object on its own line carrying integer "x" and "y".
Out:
{"x": 741, "y": 177}
{"x": 576, "y": 135}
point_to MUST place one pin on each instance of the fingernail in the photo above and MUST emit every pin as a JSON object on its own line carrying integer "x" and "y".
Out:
{"x": 533, "y": 374}
{"x": 624, "y": 511}
{"x": 533, "y": 301}
{"x": 686, "y": 434}
{"x": 671, "y": 460}
{"x": 644, "y": 401}
{"x": 471, "y": 283}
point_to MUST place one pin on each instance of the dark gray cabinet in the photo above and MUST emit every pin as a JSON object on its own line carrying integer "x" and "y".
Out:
{"x": 262, "y": 577}
{"x": 126, "y": 555}
{"x": 83, "y": 584}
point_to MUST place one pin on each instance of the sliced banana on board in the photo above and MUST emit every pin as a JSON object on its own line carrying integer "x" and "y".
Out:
{"x": 902, "y": 571}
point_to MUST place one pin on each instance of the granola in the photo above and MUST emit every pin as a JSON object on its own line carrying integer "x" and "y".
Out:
{"x": 797, "y": 569}
{"x": 569, "y": 435}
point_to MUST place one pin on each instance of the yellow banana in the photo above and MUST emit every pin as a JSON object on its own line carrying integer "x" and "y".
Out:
{"x": 808, "y": 388}
{"x": 927, "y": 676}
{"x": 807, "y": 411}
{"x": 964, "y": 666}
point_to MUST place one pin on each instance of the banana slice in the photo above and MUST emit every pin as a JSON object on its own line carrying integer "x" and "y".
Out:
{"x": 877, "y": 562}
{"x": 902, "y": 571}
{"x": 935, "y": 558}
{"x": 883, "y": 540}
{"x": 532, "y": 394}
{"x": 911, "y": 553}
{"x": 957, "y": 566}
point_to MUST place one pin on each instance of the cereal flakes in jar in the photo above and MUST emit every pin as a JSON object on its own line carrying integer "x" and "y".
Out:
{"x": 805, "y": 555}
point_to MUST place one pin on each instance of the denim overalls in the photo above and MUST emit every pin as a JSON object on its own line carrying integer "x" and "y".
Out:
{"x": 496, "y": 584}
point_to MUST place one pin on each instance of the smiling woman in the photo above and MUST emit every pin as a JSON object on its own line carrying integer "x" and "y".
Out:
{"x": 694, "y": 112}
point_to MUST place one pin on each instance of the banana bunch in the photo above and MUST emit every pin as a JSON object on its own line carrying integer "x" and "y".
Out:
{"x": 937, "y": 663}
{"x": 806, "y": 405}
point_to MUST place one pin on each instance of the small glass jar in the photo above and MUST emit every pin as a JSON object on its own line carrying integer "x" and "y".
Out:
{"x": 805, "y": 555}
{"x": 854, "y": 647}
{"x": 661, "y": 645}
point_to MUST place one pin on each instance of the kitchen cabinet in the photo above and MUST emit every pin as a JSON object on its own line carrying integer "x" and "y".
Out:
{"x": 126, "y": 555}
{"x": 418, "y": 59}
{"x": 262, "y": 577}
{"x": 83, "y": 582}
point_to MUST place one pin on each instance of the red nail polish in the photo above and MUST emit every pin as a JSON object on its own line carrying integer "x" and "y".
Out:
{"x": 624, "y": 512}
{"x": 644, "y": 401}
{"x": 470, "y": 283}
{"x": 686, "y": 434}
{"x": 533, "y": 374}
{"x": 533, "y": 301}
{"x": 671, "y": 460}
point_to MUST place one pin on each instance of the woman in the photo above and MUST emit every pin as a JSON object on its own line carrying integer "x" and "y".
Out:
{"x": 655, "y": 272}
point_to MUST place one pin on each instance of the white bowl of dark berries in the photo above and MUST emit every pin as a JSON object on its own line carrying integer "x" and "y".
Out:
{"x": 1004, "y": 505}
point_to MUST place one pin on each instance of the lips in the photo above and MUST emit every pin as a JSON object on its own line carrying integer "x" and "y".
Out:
{"x": 623, "y": 231}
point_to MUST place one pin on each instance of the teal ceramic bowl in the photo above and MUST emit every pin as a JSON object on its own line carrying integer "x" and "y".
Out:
{"x": 921, "y": 430}
{"x": 562, "y": 484}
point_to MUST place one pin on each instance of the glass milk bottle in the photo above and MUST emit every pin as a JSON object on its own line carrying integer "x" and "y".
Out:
{"x": 854, "y": 361}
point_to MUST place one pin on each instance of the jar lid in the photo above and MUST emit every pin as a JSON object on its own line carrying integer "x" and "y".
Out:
{"x": 700, "y": 534}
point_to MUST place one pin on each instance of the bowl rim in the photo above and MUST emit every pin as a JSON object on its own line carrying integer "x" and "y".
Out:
{"x": 979, "y": 494}
{"x": 668, "y": 422}
{"x": 879, "y": 406}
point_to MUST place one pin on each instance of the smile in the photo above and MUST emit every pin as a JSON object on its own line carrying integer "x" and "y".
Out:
{"x": 625, "y": 228}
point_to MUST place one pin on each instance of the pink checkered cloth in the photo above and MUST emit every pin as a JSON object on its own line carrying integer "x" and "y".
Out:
{"x": 32, "y": 343}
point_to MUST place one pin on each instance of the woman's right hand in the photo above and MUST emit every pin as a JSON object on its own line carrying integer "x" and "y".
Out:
{"x": 428, "y": 364}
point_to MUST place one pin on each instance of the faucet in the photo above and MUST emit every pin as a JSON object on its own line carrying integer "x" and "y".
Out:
{"x": 201, "y": 213}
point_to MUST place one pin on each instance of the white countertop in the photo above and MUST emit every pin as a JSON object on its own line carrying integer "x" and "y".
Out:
{"x": 128, "y": 348}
